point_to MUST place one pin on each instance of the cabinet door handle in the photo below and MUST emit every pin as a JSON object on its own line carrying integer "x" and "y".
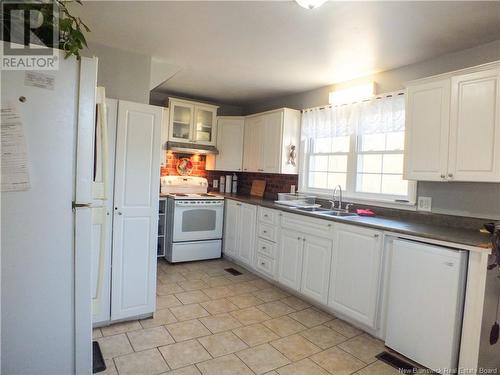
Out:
{"x": 263, "y": 248}
{"x": 299, "y": 238}
{"x": 329, "y": 225}
{"x": 304, "y": 239}
{"x": 450, "y": 175}
{"x": 262, "y": 264}
{"x": 266, "y": 215}
{"x": 376, "y": 235}
{"x": 264, "y": 231}
{"x": 443, "y": 176}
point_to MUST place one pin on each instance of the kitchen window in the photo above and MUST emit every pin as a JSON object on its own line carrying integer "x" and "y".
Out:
{"x": 358, "y": 146}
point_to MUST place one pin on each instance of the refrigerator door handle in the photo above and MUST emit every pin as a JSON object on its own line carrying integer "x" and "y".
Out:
{"x": 75, "y": 205}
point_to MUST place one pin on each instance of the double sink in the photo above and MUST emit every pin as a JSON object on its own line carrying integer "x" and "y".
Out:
{"x": 326, "y": 212}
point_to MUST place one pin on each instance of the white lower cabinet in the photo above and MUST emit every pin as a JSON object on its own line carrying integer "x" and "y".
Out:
{"x": 317, "y": 255}
{"x": 336, "y": 265}
{"x": 246, "y": 237}
{"x": 355, "y": 273}
{"x": 239, "y": 231}
{"x": 305, "y": 264}
{"x": 290, "y": 259}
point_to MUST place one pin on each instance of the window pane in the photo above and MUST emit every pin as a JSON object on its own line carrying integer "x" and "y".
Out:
{"x": 341, "y": 144}
{"x": 318, "y": 180}
{"x": 372, "y": 142}
{"x": 319, "y": 163}
{"x": 337, "y": 163}
{"x": 394, "y": 184}
{"x": 393, "y": 163}
{"x": 368, "y": 183}
{"x": 335, "y": 179}
{"x": 395, "y": 141}
{"x": 322, "y": 145}
{"x": 370, "y": 163}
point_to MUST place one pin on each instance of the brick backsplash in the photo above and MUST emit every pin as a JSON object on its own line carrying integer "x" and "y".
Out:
{"x": 170, "y": 169}
{"x": 275, "y": 183}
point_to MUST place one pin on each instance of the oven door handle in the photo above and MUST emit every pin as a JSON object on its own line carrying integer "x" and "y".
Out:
{"x": 200, "y": 205}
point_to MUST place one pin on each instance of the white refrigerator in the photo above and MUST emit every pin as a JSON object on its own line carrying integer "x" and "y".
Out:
{"x": 46, "y": 304}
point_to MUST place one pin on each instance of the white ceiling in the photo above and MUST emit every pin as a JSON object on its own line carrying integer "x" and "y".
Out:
{"x": 240, "y": 51}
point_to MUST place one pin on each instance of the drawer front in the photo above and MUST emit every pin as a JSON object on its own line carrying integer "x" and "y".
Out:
{"x": 268, "y": 232}
{"x": 267, "y": 248}
{"x": 269, "y": 216}
{"x": 308, "y": 225}
{"x": 265, "y": 265}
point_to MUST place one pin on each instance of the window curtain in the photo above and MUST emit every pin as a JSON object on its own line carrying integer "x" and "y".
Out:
{"x": 378, "y": 115}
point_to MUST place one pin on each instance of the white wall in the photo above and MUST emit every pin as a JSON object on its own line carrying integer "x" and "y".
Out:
{"x": 388, "y": 81}
{"x": 125, "y": 75}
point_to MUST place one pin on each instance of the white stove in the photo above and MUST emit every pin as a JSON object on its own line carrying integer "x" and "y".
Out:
{"x": 195, "y": 219}
{"x": 186, "y": 187}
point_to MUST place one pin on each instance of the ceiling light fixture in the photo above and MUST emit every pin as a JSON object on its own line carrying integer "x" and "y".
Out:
{"x": 310, "y": 4}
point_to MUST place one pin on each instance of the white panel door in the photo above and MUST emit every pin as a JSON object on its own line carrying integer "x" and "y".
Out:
{"x": 231, "y": 225}
{"x": 355, "y": 273}
{"x": 271, "y": 142}
{"x": 230, "y": 132}
{"x": 475, "y": 127}
{"x": 316, "y": 268}
{"x": 427, "y": 128}
{"x": 246, "y": 233}
{"x": 290, "y": 258}
{"x": 136, "y": 209}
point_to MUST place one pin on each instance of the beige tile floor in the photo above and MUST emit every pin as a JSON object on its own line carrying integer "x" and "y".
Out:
{"x": 212, "y": 323}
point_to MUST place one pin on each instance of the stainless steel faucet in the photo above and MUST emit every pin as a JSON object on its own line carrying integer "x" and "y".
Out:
{"x": 335, "y": 189}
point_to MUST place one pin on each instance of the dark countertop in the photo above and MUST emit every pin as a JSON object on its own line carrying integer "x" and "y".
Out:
{"x": 467, "y": 237}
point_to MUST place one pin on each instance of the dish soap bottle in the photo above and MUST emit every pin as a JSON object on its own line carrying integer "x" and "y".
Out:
{"x": 235, "y": 183}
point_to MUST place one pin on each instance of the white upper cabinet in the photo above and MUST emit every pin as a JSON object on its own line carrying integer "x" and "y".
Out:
{"x": 192, "y": 122}
{"x": 427, "y": 128}
{"x": 355, "y": 273}
{"x": 453, "y": 126}
{"x": 475, "y": 127}
{"x": 270, "y": 139}
{"x": 230, "y": 132}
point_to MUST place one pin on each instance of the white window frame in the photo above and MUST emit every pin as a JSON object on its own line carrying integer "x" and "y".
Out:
{"x": 350, "y": 194}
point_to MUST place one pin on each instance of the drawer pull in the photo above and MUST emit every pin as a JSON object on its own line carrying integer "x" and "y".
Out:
{"x": 264, "y": 231}
{"x": 299, "y": 238}
{"x": 266, "y": 215}
{"x": 262, "y": 264}
{"x": 263, "y": 248}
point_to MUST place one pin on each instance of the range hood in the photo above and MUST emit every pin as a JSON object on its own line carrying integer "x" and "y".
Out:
{"x": 191, "y": 148}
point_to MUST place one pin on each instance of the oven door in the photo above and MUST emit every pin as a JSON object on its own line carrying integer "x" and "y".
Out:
{"x": 198, "y": 220}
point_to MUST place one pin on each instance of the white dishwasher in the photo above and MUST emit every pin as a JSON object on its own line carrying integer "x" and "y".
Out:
{"x": 426, "y": 299}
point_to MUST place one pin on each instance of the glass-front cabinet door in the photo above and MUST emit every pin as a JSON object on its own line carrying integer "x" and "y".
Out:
{"x": 181, "y": 121}
{"x": 192, "y": 122}
{"x": 205, "y": 125}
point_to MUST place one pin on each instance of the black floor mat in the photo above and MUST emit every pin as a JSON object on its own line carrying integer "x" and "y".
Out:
{"x": 98, "y": 364}
{"x": 233, "y": 272}
{"x": 396, "y": 362}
